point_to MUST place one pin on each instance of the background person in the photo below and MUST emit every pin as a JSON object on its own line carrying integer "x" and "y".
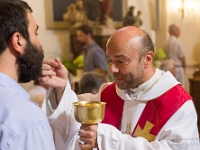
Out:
{"x": 104, "y": 73}
{"x": 168, "y": 65}
{"x": 174, "y": 50}
{"x": 23, "y": 126}
{"x": 140, "y": 103}
{"x": 94, "y": 55}
{"x": 91, "y": 82}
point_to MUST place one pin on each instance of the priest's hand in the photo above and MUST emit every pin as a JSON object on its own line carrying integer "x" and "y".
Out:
{"x": 54, "y": 74}
{"x": 88, "y": 135}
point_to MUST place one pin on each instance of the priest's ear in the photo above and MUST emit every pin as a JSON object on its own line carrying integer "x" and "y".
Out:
{"x": 148, "y": 59}
{"x": 17, "y": 43}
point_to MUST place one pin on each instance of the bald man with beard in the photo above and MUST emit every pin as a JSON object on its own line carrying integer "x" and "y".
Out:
{"x": 147, "y": 108}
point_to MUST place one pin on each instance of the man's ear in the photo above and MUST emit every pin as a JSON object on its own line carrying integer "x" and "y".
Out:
{"x": 18, "y": 42}
{"x": 148, "y": 58}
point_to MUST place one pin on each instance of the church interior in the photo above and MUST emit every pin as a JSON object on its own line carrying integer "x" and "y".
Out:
{"x": 156, "y": 16}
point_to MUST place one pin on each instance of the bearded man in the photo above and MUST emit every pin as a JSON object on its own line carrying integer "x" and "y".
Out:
{"x": 23, "y": 126}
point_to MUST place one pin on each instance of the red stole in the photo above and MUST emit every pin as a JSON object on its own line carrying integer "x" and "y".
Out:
{"x": 155, "y": 114}
{"x": 114, "y": 106}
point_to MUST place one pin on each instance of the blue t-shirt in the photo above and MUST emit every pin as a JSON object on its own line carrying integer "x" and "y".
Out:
{"x": 94, "y": 57}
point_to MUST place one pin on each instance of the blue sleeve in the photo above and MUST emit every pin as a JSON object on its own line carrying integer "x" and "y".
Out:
{"x": 39, "y": 137}
{"x": 100, "y": 60}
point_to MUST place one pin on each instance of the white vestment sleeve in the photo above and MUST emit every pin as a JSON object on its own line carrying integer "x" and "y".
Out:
{"x": 61, "y": 117}
{"x": 179, "y": 133}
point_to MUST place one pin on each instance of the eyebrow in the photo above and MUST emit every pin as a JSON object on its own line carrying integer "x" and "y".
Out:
{"x": 119, "y": 56}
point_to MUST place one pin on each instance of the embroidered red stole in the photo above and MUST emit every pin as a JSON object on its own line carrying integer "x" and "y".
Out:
{"x": 155, "y": 114}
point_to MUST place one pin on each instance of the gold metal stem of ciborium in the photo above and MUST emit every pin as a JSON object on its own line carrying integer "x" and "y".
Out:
{"x": 89, "y": 112}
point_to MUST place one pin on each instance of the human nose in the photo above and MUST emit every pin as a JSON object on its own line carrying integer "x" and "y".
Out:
{"x": 113, "y": 68}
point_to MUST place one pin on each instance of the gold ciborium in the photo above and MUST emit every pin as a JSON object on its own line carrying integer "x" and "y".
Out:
{"x": 89, "y": 112}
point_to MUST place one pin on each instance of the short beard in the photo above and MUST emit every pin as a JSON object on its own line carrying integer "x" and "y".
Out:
{"x": 132, "y": 79}
{"x": 30, "y": 63}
